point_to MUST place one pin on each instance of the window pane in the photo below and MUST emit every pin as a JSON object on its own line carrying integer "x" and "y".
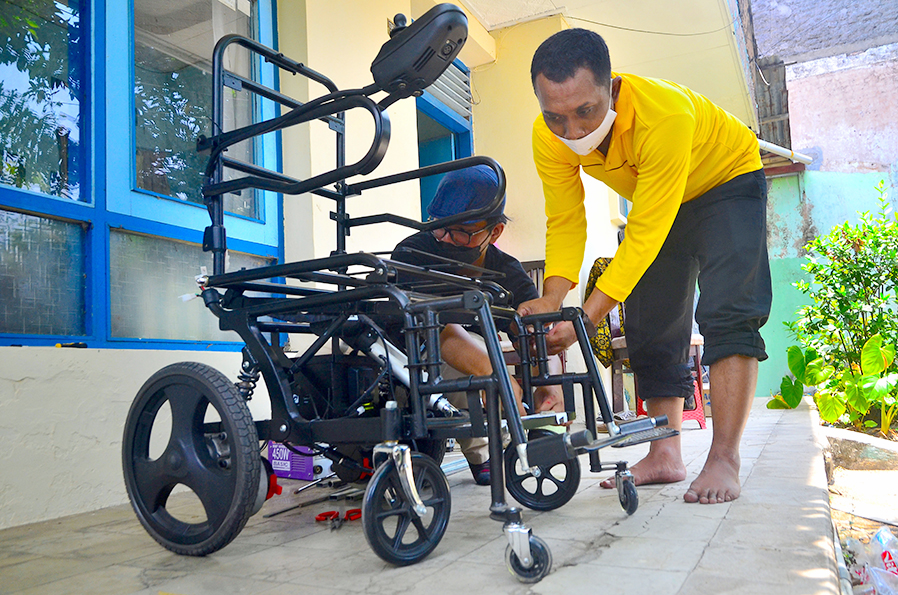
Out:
{"x": 148, "y": 275}
{"x": 41, "y": 96}
{"x": 173, "y": 43}
{"x": 41, "y": 275}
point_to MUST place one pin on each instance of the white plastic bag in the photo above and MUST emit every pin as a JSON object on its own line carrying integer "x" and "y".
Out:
{"x": 889, "y": 549}
{"x": 885, "y": 582}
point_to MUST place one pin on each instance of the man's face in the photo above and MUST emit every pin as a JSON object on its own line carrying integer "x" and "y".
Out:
{"x": 575, "y": 107}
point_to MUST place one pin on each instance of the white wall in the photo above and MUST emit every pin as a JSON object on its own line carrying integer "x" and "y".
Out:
{"x": 62, "y": 413}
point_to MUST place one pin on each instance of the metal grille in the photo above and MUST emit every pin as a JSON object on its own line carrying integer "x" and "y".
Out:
{"x": 453, "y": 89}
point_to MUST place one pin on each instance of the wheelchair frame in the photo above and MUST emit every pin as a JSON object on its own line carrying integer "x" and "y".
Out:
{"x": 355, "y": 297}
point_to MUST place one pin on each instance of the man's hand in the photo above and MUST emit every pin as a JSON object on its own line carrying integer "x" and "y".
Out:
{"x": 554, "y": 291}
{"x": 560, "y": 337}
{"x": 538, "y": 306}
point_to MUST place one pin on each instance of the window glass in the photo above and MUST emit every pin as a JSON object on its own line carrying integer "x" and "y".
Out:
{"x": 41, "y": 275}
{"x": 148, "y": 276}
{"x": 173, "y": 43}
{"x": 41, "y": 96}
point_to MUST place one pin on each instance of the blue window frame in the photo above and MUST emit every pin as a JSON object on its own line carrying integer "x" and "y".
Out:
{"x": 443, "y": 135}
{"x": 88, "y": 199}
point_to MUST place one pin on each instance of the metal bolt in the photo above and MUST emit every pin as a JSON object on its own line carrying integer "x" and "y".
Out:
{"x": 283, "y": 428}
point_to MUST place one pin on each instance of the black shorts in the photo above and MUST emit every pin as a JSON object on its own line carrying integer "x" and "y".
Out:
{"x": 719, "y": 238}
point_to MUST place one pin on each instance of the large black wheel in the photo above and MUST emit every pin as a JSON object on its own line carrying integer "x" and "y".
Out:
{"x": 542, "y": 562}
{"x": 393, "y": 530}
{"x": 555, "y": 486}
{"x": 626, "y": 493}
{"x": 189, "y": 427}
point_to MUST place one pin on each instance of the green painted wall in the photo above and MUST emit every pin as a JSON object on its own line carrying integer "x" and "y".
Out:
{"x": 800, "y": 207}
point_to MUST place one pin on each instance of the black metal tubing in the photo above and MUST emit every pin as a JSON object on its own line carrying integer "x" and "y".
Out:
{"x": 307, "y": 112}
{"x": 431, "y": 170}
{"x": 215, "y": 239}
{"x": 255, "y": 170}
{"x": 292, "y": 269}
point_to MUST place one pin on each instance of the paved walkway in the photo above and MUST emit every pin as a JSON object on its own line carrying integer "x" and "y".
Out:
{"x": 775, "y": 539}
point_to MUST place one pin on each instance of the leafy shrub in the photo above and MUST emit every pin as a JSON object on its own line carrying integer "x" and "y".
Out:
{"x": 850, "y": 330}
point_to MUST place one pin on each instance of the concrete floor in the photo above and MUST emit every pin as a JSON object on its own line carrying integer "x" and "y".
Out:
{"x": 776, "y": 538}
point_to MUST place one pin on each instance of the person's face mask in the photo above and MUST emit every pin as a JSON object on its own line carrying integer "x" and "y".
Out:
{"x": 589, "y": 143}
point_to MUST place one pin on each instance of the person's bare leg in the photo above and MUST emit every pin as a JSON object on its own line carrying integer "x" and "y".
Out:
{"x": 550, "y": 398}
{"x": 664, "y": 463}
{"x": 733, "y": 381}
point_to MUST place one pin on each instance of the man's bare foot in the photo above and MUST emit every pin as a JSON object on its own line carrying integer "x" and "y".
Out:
{"x": 717, "y": 483}
{"x": 654, "y": 468}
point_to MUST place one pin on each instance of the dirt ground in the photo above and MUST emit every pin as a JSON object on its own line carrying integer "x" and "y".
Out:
{"x": 863, "y": 501}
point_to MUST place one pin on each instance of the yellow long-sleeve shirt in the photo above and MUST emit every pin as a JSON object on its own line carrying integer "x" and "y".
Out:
{"x": 668, "y": 146}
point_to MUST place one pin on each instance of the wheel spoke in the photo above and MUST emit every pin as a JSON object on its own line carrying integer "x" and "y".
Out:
{"x": 433, "y": 502}
{"x": 401, "y": 528}
{"x": 154, "y": 481}
{"x": 558, "y": 482}
{"x": 539, "y": 484}
{"x": 214, "y": 487}
{"x": 423, "y": 533}
{"x": 518, "y": 480}
{"x": 185, "y": 403}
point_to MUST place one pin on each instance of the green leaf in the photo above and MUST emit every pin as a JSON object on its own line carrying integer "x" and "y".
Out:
{"x": 855, "y": 397}
{"x": 829, "y": 404}
{"x": 875, "y": 357}
{"x": 791, "y": 392}
{"x": 777, "y": 403}
{"x": 796, "y": 361}
{"x": 881, "y": 388}
{"x": 869, "y": 424}
{"x": 817, "y": 372}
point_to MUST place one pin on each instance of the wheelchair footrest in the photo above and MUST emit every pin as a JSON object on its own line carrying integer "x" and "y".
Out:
{"x": 644, "y": 436}
{"x": 540, "y": 420}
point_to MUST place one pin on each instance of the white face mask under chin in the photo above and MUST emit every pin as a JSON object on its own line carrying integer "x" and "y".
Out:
{"x": 589, "y": 143}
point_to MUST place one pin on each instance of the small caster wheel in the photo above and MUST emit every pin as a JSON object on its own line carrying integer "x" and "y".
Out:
{"x": 393, "y": 529}
{"x": 626, "y": 492}
{"x": 555, "y": 486}
{"x": 542, "y": 562}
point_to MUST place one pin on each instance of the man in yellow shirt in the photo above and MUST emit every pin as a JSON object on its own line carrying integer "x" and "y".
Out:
{"x": 694, "y": 175}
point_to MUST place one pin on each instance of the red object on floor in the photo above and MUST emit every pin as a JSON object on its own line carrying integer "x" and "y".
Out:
{"x": 273, "y": 487}
{"x": 698, "y": 414}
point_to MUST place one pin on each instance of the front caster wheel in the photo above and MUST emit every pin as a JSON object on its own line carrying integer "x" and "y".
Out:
{"x": 189, "y": 427}
{"x": 626, "y": 493}
{"x": 554, "y": 487}
{"x": 392, "y": 527}
{"x": 542, "y": 562}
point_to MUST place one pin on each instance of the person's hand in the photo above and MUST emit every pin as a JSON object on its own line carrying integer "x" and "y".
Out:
{"x": 560, "y": 337}
{"x": 538, "y": 306}
{"x": 554, "y": 290}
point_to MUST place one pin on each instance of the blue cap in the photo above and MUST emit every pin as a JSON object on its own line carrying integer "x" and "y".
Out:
{"x": 465, "y": 190}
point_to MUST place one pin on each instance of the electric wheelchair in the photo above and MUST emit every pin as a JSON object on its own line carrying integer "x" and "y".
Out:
{"x": 366, "y": 391}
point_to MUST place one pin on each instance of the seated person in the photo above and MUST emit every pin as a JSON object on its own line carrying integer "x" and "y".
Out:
{"x": 472, "y": 242}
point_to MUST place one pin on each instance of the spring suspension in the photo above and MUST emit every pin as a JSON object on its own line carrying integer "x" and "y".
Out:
{"x": 248, "y": 376}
